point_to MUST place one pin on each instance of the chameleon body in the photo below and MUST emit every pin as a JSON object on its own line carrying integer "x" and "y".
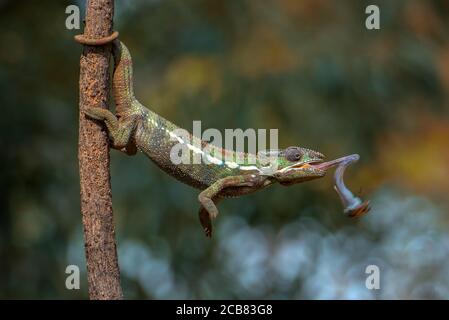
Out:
{"x": 134, "y": 127}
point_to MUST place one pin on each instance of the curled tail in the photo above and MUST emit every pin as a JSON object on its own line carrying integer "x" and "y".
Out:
{"x": 123, "y": 78}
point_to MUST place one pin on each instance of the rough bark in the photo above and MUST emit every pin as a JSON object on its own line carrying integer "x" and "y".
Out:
{"x": 103, "y": 273}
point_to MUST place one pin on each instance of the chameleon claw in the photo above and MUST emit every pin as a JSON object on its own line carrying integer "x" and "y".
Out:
{"x": 81, "y": 38}
{"x": 353, "y": 206}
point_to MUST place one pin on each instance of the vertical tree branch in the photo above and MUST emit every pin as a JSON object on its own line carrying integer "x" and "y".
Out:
{"x": 103, "y": 273}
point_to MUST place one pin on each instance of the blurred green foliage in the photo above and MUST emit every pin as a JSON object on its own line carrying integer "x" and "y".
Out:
{"x": 309, "y": 68}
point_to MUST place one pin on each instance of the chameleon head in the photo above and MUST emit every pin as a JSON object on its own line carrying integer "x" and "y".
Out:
{"x": 297, "y": 164}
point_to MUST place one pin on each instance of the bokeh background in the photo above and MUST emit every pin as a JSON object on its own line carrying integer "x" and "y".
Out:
{"x": 306, "y": 67}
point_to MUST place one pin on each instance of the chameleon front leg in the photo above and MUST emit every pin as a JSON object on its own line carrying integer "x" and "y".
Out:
{"x": 120, "y": 130}
{"x": 210, "y": 196}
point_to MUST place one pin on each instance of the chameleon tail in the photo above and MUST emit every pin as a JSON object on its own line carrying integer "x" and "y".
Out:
{"x": 123, "y": 78}
{"x": 353, "y": 206}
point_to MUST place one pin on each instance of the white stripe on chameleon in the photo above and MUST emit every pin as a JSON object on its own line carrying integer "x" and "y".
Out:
{"x": 214, "y": 160}
{"x": 229, "y": 164}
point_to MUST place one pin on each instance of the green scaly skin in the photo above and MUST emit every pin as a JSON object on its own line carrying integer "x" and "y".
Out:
{"x": 135, "y": 127}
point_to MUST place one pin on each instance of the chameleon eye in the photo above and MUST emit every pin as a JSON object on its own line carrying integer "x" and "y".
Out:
{"x": 293, "y": 154}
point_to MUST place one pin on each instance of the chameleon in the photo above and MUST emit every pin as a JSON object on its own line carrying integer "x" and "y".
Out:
{"x": 134, "y": 128}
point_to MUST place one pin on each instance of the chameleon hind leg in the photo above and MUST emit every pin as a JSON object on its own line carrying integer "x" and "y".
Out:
{"x": 210, "y": 196}
{"x": 120, "y": 130}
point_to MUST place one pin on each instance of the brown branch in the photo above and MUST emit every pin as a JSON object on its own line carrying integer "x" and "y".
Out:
{"x": 103, "y": 273}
